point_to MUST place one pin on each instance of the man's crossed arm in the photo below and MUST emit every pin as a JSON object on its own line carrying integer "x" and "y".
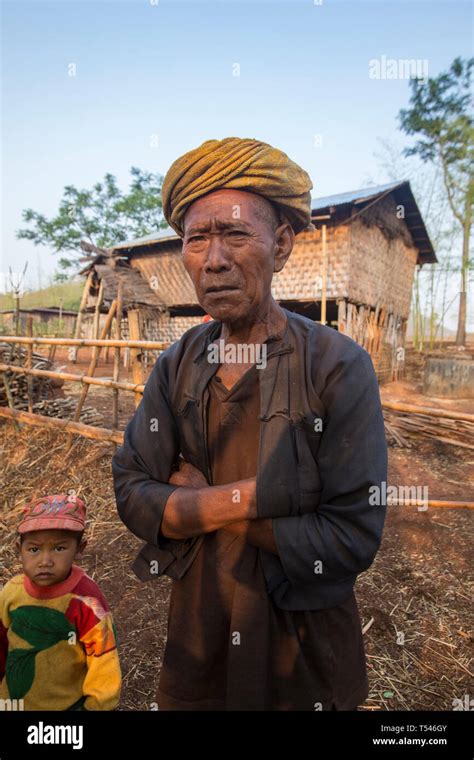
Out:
{"x": 197, "y": 508}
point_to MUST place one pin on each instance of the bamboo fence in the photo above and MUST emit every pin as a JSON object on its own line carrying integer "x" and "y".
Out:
{"x": 113, "y": 435}
{"x": 74, "y": 427}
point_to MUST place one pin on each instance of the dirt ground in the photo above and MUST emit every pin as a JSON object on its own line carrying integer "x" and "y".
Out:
{"x": 415, "y": 600}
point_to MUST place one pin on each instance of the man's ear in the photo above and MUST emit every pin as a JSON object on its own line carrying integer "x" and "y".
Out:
{"x": 284, "y": 242}
{"x": 18, "y": 545}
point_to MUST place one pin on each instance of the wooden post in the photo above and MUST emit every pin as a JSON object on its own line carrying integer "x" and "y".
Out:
{"x": 118, "y": 335}
{"x": 135, "y": 354}
{"x": 341, "y": 315}
{"x": 77, "y": 331}
{"x": 92, "y": 367}
{"x": 324, "y": 276}
{"x": 109, "y": 335}
{"x": 348, "y": 330}
{"x": 9, "y": 396}
{"x": 100, "y": 298}
{"x": 16, "y": 296}
{"x": 29, "y": 363}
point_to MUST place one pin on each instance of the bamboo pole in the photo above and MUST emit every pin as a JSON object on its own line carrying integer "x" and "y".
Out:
{"x": 109, "y": 336}
{"x": 70, "y": 377}
{"x": 413, "y": 408}
{"x": 431, "y": 503}
{"x": 9, "y": 397}
{"x": 88, "y": 342}
{"x": 94, "y": 360}
{"x": 52, "y": 353}
{"x": 82, "y": 306}
{"x": 96, "y": 323}
{"x": 135, "y": 355}
{"x": 29, "y": 364}
{"x": 139, "y": 388}
{"x": 115, "y": 436}
{"x": 65, "y": 426}
{"x": 116, "y": 373}
{"x": 324, "y": 277}
{"x": 341, "y": 315}
{"x": 92, "y": 367}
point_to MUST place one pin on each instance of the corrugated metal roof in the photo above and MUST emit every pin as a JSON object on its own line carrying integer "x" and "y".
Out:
{"x": 164, "y": 234}
{"x": 351, "y": 197}
{"x": 403, "y": 195}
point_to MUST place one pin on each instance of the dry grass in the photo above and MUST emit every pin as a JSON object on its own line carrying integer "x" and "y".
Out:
{"x": 35, "y": 463}
{"x": 418, "y": 585}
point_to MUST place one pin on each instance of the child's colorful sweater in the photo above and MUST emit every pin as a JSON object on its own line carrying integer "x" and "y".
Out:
{"x": 58, "y": 646}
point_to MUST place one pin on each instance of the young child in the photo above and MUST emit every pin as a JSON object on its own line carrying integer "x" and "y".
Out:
{"x": 58, "y": 646}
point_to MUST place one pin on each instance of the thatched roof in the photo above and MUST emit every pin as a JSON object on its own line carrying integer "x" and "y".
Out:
{"x": 136, "y": 290}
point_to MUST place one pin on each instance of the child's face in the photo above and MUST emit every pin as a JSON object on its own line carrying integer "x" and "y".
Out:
{"x": 47, "y": 555}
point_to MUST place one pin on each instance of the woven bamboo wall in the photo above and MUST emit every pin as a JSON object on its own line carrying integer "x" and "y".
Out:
{"x": 363, "y": 266}
{"x": 168, "y": 328}
{"x": 382, "y": 266}
{"x": 165, "y": 274}
{"x": 301, "y": 278}
{"x": 153, "y": 325}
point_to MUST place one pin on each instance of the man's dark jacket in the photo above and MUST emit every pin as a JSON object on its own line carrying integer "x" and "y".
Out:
{"x": 322, "y": 447}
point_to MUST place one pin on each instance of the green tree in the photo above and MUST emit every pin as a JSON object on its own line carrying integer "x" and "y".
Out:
{"x": 440, "y": 117}
{"x": 103, "y": 216}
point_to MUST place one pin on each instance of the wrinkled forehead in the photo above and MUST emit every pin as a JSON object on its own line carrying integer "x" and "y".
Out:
{"x": 227, "y": 206}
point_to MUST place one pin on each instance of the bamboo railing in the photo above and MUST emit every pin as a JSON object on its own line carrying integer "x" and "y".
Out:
{"x": 74, "y": 427}
{"x": 150, "y": 345}
{"x": 65, "y": 426}
{"x": 73, "y": 378}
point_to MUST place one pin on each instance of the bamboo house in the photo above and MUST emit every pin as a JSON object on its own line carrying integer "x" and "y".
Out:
{"x": 353, "y": 273}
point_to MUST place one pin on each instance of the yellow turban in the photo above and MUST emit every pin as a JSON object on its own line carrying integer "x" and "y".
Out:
{"x": 237, "y": 164}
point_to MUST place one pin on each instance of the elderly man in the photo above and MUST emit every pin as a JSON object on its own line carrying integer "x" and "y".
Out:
{"x": 249, "y": 465}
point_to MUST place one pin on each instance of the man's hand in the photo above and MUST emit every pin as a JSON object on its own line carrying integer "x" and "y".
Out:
{"x": 258, "y": 532}
{"x": 196, "y": 507}
{"x": 188, "y": 475}
{"x": 255, "y": 531}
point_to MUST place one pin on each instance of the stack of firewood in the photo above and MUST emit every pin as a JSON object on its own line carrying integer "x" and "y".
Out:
{"x": 65, "y": 408}
{"x": 16, "y": 383}
{"x": 402, "y": 429}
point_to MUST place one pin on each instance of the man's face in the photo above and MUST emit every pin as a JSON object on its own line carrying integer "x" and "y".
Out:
{"x": 231, "y": 247}
{"x": 48, "y": 555}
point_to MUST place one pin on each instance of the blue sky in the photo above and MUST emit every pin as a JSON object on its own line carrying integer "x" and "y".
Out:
{"x": 165, "y": 69}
